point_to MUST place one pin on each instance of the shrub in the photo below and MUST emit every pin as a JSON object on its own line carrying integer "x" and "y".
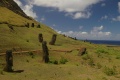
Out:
{"x": 27, "y": 40}
{"x": 31, "y": 54}
{"x": 110, "y": 71}
{"x": 117, "y": 57}
{"x": 54, "y": 62}
{"x": 100, "y": 51}
{"x": 63, "y": 60}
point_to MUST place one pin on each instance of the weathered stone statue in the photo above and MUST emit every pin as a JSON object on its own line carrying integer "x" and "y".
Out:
{"x": 27, "y": 25}
{"x": 38, "y": 26}
{"x": 32, "y": 25}
{"x": 52, "y": 42}
{"x": 9, "y": 61}
{"x": 40, "y": 37}
{"x": 45, "y": 52}
{"x": 82, "y": 51}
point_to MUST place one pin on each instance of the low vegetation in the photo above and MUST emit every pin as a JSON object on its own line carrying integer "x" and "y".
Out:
{"x": 98, "y": 63}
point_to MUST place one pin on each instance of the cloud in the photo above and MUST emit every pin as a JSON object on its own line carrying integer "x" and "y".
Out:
{"x": 42, "y": 19}
{"x": 81, "y": 15}
{"x": 104, "y": 17}
{"x": 119, "y": 7}
{"x": 97, "y": 28}
{"x": 80, "y": 27}
{"x": 95, "y": 33}
{"x": 103, "y": 4}
{"x": 28, "y": 9}
{"x": 116, "y": 19}
{"x": 77, "y": 8}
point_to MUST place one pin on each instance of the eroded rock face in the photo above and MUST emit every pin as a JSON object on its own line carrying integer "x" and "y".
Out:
{"x": 10, "y": 4}
{"x": 82, "y": 51}
{"x": 9, "y": 61}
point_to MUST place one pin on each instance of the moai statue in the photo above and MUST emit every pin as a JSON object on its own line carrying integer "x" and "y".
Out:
{"x": 40, "y": 37}
{"x": 82, "y": 51}
{"x": 38, "y": 26}
{"x": 32, "y": 25}
{"x": 27, "y": 25}
{"x": 45, "y": 52}
{"x": 9, "y": 61}
{"x": 52, "y": 42}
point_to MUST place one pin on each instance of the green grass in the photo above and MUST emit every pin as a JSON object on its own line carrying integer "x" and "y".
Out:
{"x": 69, "y": 65}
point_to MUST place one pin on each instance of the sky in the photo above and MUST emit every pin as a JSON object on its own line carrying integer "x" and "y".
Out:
{"x": 83, "y": 19}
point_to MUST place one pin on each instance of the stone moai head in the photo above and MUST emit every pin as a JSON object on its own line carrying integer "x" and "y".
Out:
{"x": 32, "y": 25}
{"x": 40, "y": 37}
{"x": 38, "y": 26}
{"x": 52, "y": 42}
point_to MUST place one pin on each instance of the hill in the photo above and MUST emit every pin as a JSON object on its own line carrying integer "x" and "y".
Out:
{"x": 99, "y": 63}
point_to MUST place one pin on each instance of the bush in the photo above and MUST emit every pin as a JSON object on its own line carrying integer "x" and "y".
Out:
{"x": 31, "y": 54}
{"x": 63, "y": 60}
{"x": 100, "y": 51}
{"x": 54, "y": 62}
{"x": 117, "y": 57}
{"x": 110, "y": 71}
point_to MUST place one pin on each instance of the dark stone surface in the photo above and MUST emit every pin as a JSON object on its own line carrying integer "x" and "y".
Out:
{"x": 10, "y": 4}
{"x": 40, "y": 37}
{"x": 32, "y": 25}
{"x": 82, "y": 51}
{"x": 45, "y": 52}
{"x": 38, "y": 26}
{"x": 52, "y": 42}
{"x": 9, "y": 61}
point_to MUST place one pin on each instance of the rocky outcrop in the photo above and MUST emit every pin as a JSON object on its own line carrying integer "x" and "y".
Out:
{"x": 10, "y": 4}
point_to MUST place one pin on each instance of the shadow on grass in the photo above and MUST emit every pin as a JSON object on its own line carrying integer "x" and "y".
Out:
{"x": 18, "y": 71}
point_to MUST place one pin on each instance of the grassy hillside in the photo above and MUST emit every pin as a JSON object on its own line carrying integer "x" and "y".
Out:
{"x": 27, "y": 38}
{"x": 100, "y": 62}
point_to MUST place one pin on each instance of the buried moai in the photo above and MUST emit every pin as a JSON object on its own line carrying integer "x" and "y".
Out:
{"x": 40, "y": 37}
{"x": 45, "y": 52}
{"x": 82, "y": 51}
{"x": 52, "y": 42}
{"x": 9, "y": 61}
{"x": 38, "y": 26}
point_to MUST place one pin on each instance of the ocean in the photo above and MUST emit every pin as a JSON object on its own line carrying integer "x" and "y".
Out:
{"x": 108, "y": 42}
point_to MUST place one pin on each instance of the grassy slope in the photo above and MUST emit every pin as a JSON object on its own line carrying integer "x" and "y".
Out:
{"x": 27, "y": 39}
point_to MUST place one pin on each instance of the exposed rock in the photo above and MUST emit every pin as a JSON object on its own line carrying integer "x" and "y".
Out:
{"x": 10, "y": 4}
{"x": 82, "y": 51}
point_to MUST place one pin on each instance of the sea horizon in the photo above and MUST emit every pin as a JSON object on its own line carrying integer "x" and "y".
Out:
{"x": 107, "y": 42}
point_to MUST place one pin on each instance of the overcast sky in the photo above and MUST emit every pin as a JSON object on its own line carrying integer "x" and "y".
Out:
{"x": 84, "y": 19}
